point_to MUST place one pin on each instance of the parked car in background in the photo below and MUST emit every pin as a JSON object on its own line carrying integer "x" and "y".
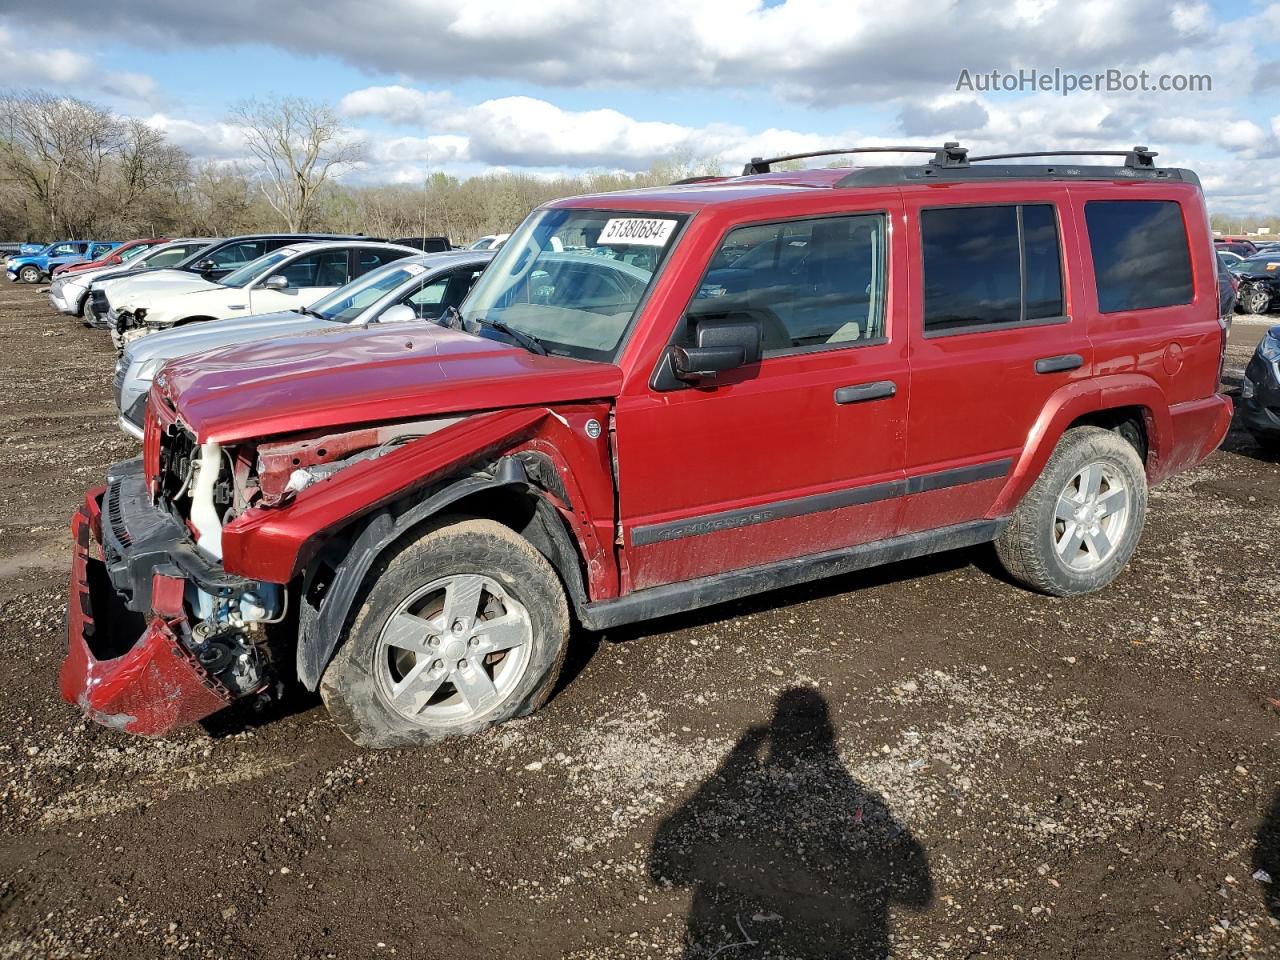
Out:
{"x": 415, "y": 288}
{"x": 1227, "y": 257}
{"x": 70, "y": 293}
{"x": 35, "y": 267}
{"x": 290, "y": 278}
{"x": 1228, "y": 287}
{"x": 1260, "y": 391}
{"x": 197, "y": 272}
{"x": 425, "y": 244}
{"x": 493, "y": 241}
{"x": 8, "y": 250}
{"x": 1259, "y": 283}
{"x": 411, "y": 517}
{"x": 112, "y": 258}
{"x": 1237, "y": 245}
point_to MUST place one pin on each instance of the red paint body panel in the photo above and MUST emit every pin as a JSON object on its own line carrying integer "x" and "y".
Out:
{"x": 364, "y": 375}
{"x": 154, "y": 687}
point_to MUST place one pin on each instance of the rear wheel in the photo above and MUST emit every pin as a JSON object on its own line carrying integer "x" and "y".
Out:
{"x": 1080, "y": 523}
{"x": 29, "y": 274}
{"x": 464, "y": 627}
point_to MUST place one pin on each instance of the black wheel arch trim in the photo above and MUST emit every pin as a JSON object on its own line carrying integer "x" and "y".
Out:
{"x": 334, "y": 579}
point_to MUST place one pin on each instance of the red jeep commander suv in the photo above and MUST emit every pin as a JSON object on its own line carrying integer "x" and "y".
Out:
{"x": 652, "y": 401}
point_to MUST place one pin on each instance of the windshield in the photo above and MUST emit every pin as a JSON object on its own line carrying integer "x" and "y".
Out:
{"x": 134, "y": 251}
{"x": 254, "y": 269}
{"x": 347, "y": 303}
{"x": 572, "y": 279}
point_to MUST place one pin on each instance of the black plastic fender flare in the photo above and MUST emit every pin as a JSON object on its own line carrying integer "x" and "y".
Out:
{"x": 325, "y": 608}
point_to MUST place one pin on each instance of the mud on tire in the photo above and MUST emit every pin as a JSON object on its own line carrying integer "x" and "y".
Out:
{"x": 379, "y": 686}
{"x": 1048, "y": 543}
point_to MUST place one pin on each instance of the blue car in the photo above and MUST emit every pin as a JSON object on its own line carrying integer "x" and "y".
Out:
{"x": 32, "y": 268}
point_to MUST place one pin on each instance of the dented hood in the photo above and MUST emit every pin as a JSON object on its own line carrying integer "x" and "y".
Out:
{"x": 360, "y": 375}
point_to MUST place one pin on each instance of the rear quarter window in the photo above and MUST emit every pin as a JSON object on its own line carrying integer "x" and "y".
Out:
{"x": 1141, "y": 259}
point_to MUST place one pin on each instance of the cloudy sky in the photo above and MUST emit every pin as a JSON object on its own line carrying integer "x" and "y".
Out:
{"x": 569, "y": 85}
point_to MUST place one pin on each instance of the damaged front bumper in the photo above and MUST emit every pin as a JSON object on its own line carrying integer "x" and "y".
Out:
{"x": 139, "y": 658}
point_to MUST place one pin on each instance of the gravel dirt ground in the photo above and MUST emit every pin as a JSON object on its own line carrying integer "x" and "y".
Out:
{"x": 918, "y": 761}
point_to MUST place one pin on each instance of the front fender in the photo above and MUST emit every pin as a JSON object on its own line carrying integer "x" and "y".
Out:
{"x": 1078, "y": 399}
{"x": 275, "y": 544}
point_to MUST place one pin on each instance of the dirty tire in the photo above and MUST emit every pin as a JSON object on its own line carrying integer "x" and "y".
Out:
{"x": 29, "y": 274}
{"x": 451, "y": 547}
{"x": 1026, "y": 548}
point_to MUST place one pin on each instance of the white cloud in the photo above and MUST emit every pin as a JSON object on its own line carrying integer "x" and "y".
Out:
{"x": 825, "y": 51}
{"x": 66, "y": 71}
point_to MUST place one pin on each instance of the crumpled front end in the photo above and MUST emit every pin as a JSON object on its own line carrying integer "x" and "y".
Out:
{"x": 159, "y": 634}
{"x": 151, "y": 686}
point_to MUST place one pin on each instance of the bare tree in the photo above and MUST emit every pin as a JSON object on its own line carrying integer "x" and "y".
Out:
{"x": 58, "y": 149}
{"x": 301, "y": 146}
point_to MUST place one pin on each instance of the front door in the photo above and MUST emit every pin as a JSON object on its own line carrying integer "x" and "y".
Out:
{"x": 798, "y": 454}
{"x": 310, "y": 277}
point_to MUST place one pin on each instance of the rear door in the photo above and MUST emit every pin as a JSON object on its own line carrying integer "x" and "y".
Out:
{"x": 993, "y": 336}
{"x": 798, "y": 454}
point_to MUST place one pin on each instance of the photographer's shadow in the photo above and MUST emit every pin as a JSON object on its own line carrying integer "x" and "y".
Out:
{"x": 1266, "y": 857}
{"x": 788, "y": 855}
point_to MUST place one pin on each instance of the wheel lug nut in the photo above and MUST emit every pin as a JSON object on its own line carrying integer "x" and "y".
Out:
{"x": 457, "y": 626}
{"x": 433, "y": 641}
{"x": 473, "y": 642}
{"x": 462, "y": 664}
{"x": 437, "y": 666}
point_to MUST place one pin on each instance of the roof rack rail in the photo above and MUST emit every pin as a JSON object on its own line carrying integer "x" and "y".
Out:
{"x": 950, "y": 154}
{"x": 1137, "y": 157}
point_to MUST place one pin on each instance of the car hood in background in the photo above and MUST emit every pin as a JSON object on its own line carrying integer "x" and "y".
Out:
{"x": 361, "y": 375}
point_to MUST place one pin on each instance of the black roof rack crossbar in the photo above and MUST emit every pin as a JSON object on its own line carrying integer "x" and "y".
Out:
{"x": 1137, "y": 157}
{"x": 948, "y": 155}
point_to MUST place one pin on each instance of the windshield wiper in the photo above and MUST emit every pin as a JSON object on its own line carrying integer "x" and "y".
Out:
{"x": 313, "y": 313}
{"x": 526, "y": 340}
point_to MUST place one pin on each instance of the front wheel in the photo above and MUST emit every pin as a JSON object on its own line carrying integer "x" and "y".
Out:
{"x": 465, "y": 627}
{"x": 29, "y": 274}
{"x": 1079, "y": 524}
{"x": 1256, "y": 300}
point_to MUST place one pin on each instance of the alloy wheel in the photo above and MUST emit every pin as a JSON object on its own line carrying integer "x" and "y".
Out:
{"x": 453, "y": 651}
{"x": 1092, "y": 517}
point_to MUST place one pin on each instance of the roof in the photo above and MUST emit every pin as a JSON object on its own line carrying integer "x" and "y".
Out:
{"x": 949, "y": 164}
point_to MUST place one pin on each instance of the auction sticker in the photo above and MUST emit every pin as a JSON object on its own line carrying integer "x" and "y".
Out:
{"x": 636, "y": 231}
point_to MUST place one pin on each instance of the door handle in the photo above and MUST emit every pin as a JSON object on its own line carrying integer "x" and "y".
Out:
{"x": 1068, "y": 361}
{"x": 866, "y": 391}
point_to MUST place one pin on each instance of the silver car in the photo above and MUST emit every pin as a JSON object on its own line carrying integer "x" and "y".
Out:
{"x": 415, "y": 288}
{"x": 69, "y": 293}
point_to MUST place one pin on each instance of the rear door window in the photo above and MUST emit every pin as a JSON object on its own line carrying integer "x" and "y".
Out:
{"x": 369, "y": 259}
{"x": 1141, "y": 258}
{"x": 989, "y": 267}
{"x": 235, "y": 255}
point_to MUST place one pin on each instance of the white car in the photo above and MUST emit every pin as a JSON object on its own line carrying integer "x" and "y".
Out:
{"x": 290, "y": 278}
{"x": 69, "y": 293}
{"x": 492, "y": 242}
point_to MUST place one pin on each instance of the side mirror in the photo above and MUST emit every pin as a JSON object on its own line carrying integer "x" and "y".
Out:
{"x": 277, "y": 281}
{"x": 206, "y": 266}
{"x": 400, "y": 313}
{"x": 721, "y": 345}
